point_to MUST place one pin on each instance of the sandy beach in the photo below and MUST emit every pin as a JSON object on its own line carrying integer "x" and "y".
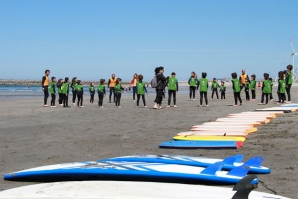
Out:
{"x": 32, "y": 136}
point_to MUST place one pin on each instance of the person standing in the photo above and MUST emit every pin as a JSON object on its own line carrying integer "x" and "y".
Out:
{"x": 111, "y": 85}
{"x": 266, "y": 89}
{"x": 246, "y": 88}
{"x": 118, "y": 91}
{"x": 192, "y": 82}
{"x": 101, "y": 92}
{"x": 161, "y": 83}
{"x": 141, "y": 90}
{"x": 65, "y": 92}
{"x": 133, "y": 84}
{"x": 281, "y": 90}
{"x": 242, "y": 79}
{"x": 59, "y": 87}
{"x": 172, "y": 89}
{"x": 214, "y": 87}
{"x": 289, "y": 81}
{"x": 203, "y": 84}
{"x": 73, "y": 89}
{"x": 80, "y": 93}
{"x": 253, "y": 87}
{"x": 236, "y": 88}
{"x": 92, "y": 92}
{"x": 222, "y": 91}
{"x": 45, "y": 82}
{"x": 52, "y": 90}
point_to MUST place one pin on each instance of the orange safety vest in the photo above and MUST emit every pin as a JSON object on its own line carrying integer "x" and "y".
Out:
{"x": 243, "y": 78}
{"x": 112, "y": 82}
{"x": 46, "y": 81}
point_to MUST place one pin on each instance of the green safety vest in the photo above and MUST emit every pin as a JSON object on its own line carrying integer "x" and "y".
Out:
{"x": 52, "y": 87}
{"x": 282, "y": 86}
{"x": 140, "y": 86}
{"x": 203, "y": 84}
{"x": 64, "y": 88}
{"x": 91, "y": 89}
{"x": 214, "y": 84}
{"x": 118, "y": 88}
{"x": 172, "y": 84}
{"x": 79, "y": 88}
{"x": 290, "y": 75}
{"x": 223, "y": 88}
{"x": 236, "y": 84}
{"x": 100, "y": 88}
{"x": 267, "y": 86}
{"x": 193, "y": 81}
{"x": 253, "y": 84}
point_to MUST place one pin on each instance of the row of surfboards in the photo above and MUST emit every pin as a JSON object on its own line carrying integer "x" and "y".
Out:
{"x": 228, "y": 132}
{"x": 148, "y": 168}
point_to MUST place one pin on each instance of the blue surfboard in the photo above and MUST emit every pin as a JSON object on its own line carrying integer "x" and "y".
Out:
{"x": 289, "y": 105}
{"x": 133, "y": 171}
{"x": 229, "y": 163}
{"x": 201, "y": 144}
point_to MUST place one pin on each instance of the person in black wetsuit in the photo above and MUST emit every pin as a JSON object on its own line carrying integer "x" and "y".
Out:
{"x": 161, "y": 84}
{"x": 45, "y": 82}
{"x": 73, "y": 89}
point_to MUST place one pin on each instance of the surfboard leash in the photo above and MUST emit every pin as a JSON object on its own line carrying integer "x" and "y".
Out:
{"x": 264, "y": 185}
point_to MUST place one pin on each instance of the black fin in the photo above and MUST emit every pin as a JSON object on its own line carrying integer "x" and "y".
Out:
{"x": 243, "y": 187}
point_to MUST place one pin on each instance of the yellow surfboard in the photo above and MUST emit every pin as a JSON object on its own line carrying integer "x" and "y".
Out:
{"x": 215, "y": 138}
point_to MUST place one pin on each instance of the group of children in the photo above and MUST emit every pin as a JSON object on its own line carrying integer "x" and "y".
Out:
{"x": 284, "y": 85}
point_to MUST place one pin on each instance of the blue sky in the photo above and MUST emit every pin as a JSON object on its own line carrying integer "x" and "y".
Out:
{"x": 92, "y": 39}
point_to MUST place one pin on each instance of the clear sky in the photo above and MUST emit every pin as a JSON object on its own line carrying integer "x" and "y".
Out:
{"x": 92, "y": 39}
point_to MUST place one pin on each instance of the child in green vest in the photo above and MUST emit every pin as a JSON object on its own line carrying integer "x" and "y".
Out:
{"x": 203, "y": 84}
{"x": 52, "y": 90}
{"x": 266, "y": 89}
{"x": 80, "y": 93}
{"x": 246, "y": 88}
{"x": 289, "y": 81}
{"x": 281, "y": 89}
{"x": 222, "y": 91}
{"x": 65, "y": 92}
{"x": 214, "y": 87}
{"x": 73, "y": 86}
{"x": 118, "y": 91}
{"x": 141, "y": 90}
{"x": 101, "y": 92}
{"x": 59, "y": 86}
{"x": 236, "y": 89}
{"x": 193, "y": 81}
{"x": 270, "y": 94}
{"x": 253, "y": 84}
{"x": 172, "y": 89}
{"x": 91, "y": 91}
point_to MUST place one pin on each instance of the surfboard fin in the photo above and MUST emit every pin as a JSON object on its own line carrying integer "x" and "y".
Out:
{"x": 243, "y": 187}
{"x": 255, "y": 161}
{"x": 212, "y": 169}
{"x": 239, "y": 171}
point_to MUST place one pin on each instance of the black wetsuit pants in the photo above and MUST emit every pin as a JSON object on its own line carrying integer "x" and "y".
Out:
{"x": 65, "y": 100}
{"x": 236, "y": 97}
{"x": 288, "y": 89}
{"x": 112, "y": 91}
{"x": 80, "y": 99}
{"x": 46, "y": 94}
{"x": 143, "y": 98}
{"x": 192, "y": 92}
{"x": 100, "y": 98}
{"x": 247, "y": 97}
{"x": 264, "y": 95}
{"x": 223, "y": 95}
{"x": 134, "y": 92}
{"x": 170, "y": 93}
{"x": 158, "y": 98}
{"x": 91, "y": 97}
{"x": 53, "y": 99}
{"x": 203, "y": 94}
{"x": 117, "y": 98}
{"x": 214, "y": 91}
{"x": 74, "y": 95}
{"x": 253, "y": 94}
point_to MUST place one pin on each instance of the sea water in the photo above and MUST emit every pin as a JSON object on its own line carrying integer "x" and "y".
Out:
{"x": 36, "y": 91}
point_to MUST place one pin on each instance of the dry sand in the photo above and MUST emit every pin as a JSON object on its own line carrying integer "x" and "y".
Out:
{"x": 32, "y": 136}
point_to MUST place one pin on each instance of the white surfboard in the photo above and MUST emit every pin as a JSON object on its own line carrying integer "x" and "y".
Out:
{"x": 264, "y": 112}
{"x": 222, "y": 129}
{"x": 251, "y": 116}
{"x": 262, "y": 121}
{"x": 225, "y": 124}
{"x": 234, "y": 122}
{"x": 211, "y": 133}
{"x": 124, "y": 190}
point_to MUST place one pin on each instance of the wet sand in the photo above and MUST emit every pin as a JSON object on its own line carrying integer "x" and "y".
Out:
{"x": 32, "y": 136}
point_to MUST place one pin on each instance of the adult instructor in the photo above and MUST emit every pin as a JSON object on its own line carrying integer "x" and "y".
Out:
{"x": 161, "y": 84}
{"x": 242, "y": 79}
{"x": 111, "y": 85}
{"x": 45, "y": 82}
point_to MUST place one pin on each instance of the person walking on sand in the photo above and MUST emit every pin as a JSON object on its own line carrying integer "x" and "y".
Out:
{"x": 133, "y": 84}
{"x": 161, "y": 83}
{"x": 192, "y": 82}
{"x": 172, "y": 89}
{"x": 141, "y": 90}
{"x": 111, "y": 85}
{"x": 203, "y": 84}
{"x": 45, "y": 82}
{"x": 101, "y": 92}
{"x": 242, "y": 79}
